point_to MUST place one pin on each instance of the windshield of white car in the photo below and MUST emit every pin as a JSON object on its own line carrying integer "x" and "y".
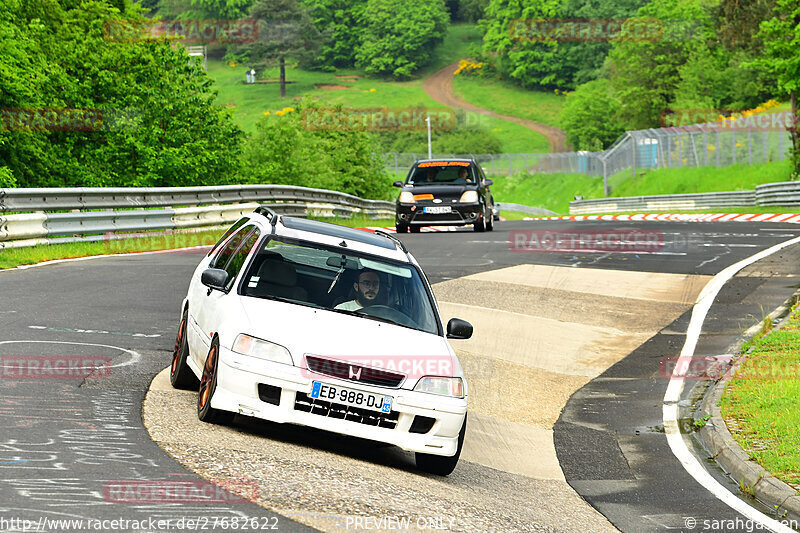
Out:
{"x": 341, "y": 281}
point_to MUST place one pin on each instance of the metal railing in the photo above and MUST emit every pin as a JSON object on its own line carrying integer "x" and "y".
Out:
{"x": 786, "y": 194}
{"x": 42, "y": 216}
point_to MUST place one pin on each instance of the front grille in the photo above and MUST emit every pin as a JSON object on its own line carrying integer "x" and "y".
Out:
{"x": 445, "y": 217}
{"x": 304, "y": 402}
{"x": 355, "y": 373}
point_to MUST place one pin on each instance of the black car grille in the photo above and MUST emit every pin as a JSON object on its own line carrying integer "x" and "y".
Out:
{"x": 444, "y": 217}
{"x": 304, "y": 402}
{"x": 348, "y": 372}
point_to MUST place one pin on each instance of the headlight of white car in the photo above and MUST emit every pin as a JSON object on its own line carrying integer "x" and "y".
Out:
{"x": 406, "y": 197}
{"x": 247, "y": 345}
{"x": 469, "y": 197}
{"x": 442, "y": 386}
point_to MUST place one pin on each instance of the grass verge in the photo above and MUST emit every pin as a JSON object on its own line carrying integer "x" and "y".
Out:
{"x": 14, "y": 257}
{"x": 761, "y": 404}
{"x": 555, "y": 191}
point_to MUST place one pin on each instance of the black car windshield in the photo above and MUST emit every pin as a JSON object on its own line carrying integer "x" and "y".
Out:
{"x": 339, "y": 281}
{"x": 445, "y": 173}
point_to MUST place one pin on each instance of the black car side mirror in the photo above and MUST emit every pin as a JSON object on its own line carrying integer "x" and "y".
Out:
{"x": 215, "y": 278}
{"x": 487, "y": 182}
{"x": 398, "y": 183}
{"x": 459, "y": 329}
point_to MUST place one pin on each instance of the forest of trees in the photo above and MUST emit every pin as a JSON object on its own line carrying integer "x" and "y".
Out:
{"x": 159, "y": 123}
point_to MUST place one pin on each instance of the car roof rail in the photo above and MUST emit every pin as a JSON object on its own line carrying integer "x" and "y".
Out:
{"x": 271, "y": 215}
{"x": 392, "y": 237}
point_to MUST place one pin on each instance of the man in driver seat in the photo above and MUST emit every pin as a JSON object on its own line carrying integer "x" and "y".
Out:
{"x": 366, "y": 288}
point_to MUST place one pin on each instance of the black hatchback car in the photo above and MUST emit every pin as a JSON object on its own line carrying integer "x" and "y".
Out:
{"x": 444, "y": 192}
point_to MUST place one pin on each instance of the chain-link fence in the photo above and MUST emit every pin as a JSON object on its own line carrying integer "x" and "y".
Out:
{"x": 745, "y": 141}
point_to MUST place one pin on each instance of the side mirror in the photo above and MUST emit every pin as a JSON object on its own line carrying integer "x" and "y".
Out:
{"x": 459, "y": 329}
{"x": 487, "y": 182}
{"x": 215, "y": 278}
{"x": 398, "y": 183}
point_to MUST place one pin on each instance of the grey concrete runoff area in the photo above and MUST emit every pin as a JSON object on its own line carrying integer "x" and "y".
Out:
{"x": 565, "y": 397}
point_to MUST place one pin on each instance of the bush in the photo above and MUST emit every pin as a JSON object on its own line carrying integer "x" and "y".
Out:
{"x": 399, "y": 36}
{"x": 590, "y": 116}
{"x": 284, "y": 151}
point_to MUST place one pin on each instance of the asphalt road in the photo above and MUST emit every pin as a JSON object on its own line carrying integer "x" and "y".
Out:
{"x": 66, "y": 443}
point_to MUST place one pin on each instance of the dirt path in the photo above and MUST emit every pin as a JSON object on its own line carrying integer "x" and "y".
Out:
{"x": 439, "y": 86}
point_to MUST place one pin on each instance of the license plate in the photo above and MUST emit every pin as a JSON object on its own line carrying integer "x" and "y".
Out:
{"x": 354, "y": 398}
{"x": 437, "y": 210}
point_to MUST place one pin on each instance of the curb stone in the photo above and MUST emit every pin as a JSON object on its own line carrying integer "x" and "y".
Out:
{"x": 718, "y": 441}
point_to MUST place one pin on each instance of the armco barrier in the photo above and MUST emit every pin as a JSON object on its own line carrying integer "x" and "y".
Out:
{"x": 56, "y": 199}
{"x": 32, "y": 216}
{"x": 785, "y": 194}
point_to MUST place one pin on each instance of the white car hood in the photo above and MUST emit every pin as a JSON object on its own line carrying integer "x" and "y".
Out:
{"x": 305, "y": 330}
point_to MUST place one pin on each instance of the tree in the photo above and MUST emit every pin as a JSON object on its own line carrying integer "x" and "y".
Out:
{"x": 590, "y": 116}
{"x": 645, "y": 74}
{"x": 399, "y": 36}
{"x": 285, "y": 150}
{"x": 530, "y": 63}
{"x": 160, "y": 124}
{"x": 285, "y": 30}
{"x": 337, "y": 22}
{"x": 781, "y": 37}
{"x": 223, "y": 9}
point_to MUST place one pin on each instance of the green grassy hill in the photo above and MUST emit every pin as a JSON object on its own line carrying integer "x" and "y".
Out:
{"x": 351, "y": 88}
{"x": 555, "y": 191}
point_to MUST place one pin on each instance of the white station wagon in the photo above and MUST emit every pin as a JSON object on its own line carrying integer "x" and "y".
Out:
{"x": 305, "y": 322}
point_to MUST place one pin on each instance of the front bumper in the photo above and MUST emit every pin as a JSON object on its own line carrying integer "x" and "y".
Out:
{"x": 460, "y": 215}
{"x": 237, "y": 391}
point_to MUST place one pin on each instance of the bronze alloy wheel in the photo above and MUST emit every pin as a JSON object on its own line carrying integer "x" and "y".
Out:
{"x": 208, "y": 385}
{"x": 180, "y": 375}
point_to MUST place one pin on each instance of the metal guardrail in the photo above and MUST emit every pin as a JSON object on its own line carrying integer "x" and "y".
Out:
{"x": 786, "y": 194}
{"x": 40, "y": 216}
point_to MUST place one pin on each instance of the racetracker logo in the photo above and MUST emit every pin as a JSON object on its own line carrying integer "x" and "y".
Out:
{"x": 590, "y": 241}
{"x": 171, "y": 492}
{"x": 190, "y": 242}
{"x": 67, "y": 119}
{"x": 379, "y": 119}
{"x": 190, "y": 31}
{"x": 586, "y": 30}
{"x": 722, "y": 120}
{"x": 718, "y": 366}
{"x": 55, "y": 367}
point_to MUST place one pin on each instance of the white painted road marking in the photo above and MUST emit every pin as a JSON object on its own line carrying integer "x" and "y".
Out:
{"x": 676, "y": 384}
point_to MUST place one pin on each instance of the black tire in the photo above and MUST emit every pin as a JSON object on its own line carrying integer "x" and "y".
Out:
{"x": 401, "y": 228}
{"x": 415, "y": 229}
{"x": 480, "y": 225}
{"x": 490, "y": 222}
{"x": 438, "y": 464}
{"x": 180, "y": 375}
{"x": 208, "y": 385}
